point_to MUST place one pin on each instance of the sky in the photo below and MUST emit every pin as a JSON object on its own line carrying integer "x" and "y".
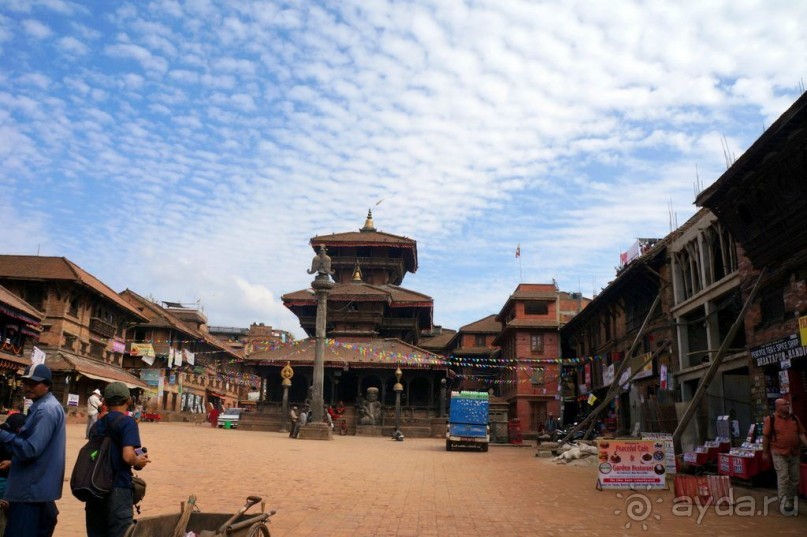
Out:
{"x": 188, "y": 151}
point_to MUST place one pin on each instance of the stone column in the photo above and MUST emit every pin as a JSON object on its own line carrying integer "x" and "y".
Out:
{"x": 316, "y": 430}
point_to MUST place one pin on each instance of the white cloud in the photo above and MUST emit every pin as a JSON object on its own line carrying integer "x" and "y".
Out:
{"x": 36, "y": 29}
{"x": 232, "y": 133}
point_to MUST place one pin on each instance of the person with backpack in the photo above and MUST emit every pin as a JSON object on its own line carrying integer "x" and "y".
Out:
{"x": 782, "y": 434}
{"x": 13, "y": 423}
{"x": 37, "y": 459}
{"x": 112, "y": 514}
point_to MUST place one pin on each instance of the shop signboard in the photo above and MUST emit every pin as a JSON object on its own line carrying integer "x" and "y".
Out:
{"x": 647, "y": 369}
{"x": 669, "y": 448}
{"x": 151, "y": 376}
{"x": 803, "y": 330}
{"x": 775, "y": 352}
{"x": 608, "y": 375}
{"x": 72, "y": 399}
{"x": 624, "y": 464}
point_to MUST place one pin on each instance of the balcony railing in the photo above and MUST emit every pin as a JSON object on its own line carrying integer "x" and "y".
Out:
{"x": 102, "y": 327}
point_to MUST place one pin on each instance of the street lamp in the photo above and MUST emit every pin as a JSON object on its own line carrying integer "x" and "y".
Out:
{"x": 443, "y": 397}
{"x": 398, "y": 388}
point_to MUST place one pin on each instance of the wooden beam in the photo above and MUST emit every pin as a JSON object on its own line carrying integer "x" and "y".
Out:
{"x": 614, "y": 389}
{"x": 712, "y": 371}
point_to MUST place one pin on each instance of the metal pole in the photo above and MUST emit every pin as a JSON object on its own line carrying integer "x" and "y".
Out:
{"x": 715, "y": 363}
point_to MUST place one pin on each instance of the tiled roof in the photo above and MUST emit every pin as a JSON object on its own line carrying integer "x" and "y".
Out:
{"x": 361, "y": 239}
{"x": 487, "y": 325}
{"x": 532, "y": 323}
{"x": 375, "y": 352}
{"x": 396, "y": 296}
{"x": 159, "y": 317}
{"x": 66, "y": 361}
{"x": 33, "y": 267}
{"x": 13, "y": 301}
{"x": 439, "y": 342}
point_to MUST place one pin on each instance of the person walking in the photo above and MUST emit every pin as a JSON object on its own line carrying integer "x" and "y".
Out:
{"x": 37, "y": 463}
{"x": 782, "y": 434}
{"x": 293, "y": 419}
{"x": 93, "y": 407}
{"x": 112, "y": 515}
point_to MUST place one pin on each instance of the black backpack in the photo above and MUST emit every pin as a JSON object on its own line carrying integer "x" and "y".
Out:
{"x": 93, "y": 475}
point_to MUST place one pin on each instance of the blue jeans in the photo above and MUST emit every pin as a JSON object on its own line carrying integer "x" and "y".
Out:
{"x": 31, "y": 519}
{"x": 110, "y": 516}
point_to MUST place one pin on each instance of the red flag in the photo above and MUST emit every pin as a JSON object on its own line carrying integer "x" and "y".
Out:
{"x": 518, "y": 251}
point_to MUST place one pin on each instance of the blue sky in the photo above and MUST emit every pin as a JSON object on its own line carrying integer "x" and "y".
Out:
{"x": 189, "y": 150}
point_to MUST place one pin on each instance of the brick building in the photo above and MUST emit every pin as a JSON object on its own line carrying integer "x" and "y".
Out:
{"x": 762, "y": 200}
{"x": 84, "y": 328}
{"x": 20, "y": 324}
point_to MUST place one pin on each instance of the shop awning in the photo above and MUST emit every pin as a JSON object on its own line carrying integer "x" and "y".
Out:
{"x": 216, "y": 394}
{"x": 63, "y": 361}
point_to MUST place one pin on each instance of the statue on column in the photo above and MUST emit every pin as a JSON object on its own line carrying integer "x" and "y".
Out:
{"x": 370, "y": 409}
{"x": 321, "y": 264}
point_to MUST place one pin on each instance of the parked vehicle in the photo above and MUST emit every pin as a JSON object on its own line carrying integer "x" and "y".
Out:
{"x": 468, "y": 421}
{"x": 560, "y": 434}
{"x": 229, "y": 418}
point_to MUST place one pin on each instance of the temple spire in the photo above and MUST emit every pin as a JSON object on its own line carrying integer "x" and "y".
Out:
{"x": 368, "y": 224}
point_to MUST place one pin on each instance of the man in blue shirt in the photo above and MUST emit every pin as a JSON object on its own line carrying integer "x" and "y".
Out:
{"x": 37, "y": 463}
{"x": 112, "y": 515}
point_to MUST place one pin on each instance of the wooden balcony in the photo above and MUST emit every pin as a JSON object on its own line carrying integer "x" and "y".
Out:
{"x": 102, "y": 327}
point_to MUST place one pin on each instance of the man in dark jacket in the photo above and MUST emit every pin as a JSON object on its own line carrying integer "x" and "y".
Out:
{"x": 112, "y": 515}
{"x": 37, "y": 463}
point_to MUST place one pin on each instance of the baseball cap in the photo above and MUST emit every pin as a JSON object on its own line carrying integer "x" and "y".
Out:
{"x": 38, "y": 373}
{"x": 116, "y": 390}
{"x": 97, "y": 391}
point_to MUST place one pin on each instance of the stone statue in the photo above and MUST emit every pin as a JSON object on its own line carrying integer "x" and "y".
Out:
{"x": 370, "y": 409}
{"x": 321, "y": 264}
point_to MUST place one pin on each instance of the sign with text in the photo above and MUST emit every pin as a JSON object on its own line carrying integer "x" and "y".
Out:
{"x": 631, "y": 464}
{"x": 786, "y": 348}
{"x": 669, "y": 449}
{"x": 647, "y": 369}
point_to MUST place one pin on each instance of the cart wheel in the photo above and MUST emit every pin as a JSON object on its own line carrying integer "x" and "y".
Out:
{"x": 484, "y": 448}
{"x": 257, "y": 530}
{"x": 448, "y": 445}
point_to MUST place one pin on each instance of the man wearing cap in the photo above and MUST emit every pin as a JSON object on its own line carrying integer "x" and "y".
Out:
{"x": 93, "y": 405}
{"x": 111, "y": 515}
{"x": 37, "y": 462}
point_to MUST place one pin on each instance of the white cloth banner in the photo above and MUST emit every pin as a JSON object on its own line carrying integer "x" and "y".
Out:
{"x": 37, "y": 356}
{"x": 177, "y": 357}
{"x": 189, "y": 357}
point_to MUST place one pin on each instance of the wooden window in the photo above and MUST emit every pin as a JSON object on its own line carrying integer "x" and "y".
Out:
{"x": 772, "y": 305}
{"x": 536, "y": 308}
{"x": 479, "y": 340}
{"x": 537, "y": 343}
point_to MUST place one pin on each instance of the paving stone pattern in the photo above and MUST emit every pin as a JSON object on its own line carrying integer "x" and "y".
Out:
{"x": 359, "y": 486}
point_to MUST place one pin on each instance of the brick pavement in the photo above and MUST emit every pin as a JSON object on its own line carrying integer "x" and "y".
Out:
{"x": 357, "y": 486}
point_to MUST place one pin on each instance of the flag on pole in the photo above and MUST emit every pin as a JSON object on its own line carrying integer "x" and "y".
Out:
{"x": 518, "y": 250}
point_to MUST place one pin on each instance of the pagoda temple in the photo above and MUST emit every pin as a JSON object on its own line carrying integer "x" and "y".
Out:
{"x": 373, "y": 326}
